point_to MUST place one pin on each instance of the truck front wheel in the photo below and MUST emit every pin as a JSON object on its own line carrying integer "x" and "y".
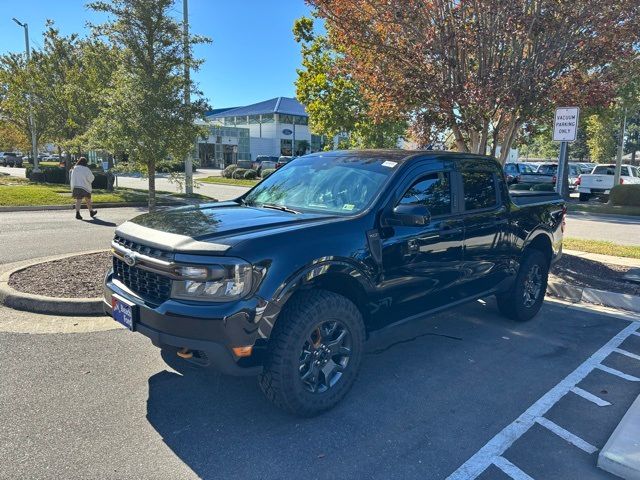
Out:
{"x": 584, "y": 197}
{"x": 314, "y": 353}
{"x": 523, "y": 301}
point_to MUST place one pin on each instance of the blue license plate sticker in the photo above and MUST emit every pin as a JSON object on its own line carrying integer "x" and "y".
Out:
{"x": 122, "y": 313}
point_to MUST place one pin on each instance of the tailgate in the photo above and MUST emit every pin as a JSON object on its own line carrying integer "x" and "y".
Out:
{"x": 596, "y": 181}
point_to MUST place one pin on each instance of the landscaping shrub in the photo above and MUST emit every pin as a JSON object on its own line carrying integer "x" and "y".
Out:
{"x": 544, "y": 187}
{"x": 267, "y": 171}
{"x": 520, "y": 186}
{"x": 228, "y": 172}
{"x": 626, "y": 195}
{"x": 250, "y": 175}
{"x": 47, "y": 174}
{"x": 239, "y": 173}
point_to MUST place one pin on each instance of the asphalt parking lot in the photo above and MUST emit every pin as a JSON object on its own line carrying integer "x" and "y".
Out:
{"x": 460, "y": 394}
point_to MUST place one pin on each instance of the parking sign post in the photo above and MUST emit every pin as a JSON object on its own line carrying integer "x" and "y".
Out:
{"x": 565, "y": 130}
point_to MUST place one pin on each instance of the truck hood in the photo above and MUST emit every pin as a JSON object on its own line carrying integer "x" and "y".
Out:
{"x": 210, "y": 227}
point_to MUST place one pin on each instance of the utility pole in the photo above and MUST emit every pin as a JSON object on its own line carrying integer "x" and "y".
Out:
{"x": 188, "y": 161}
{"x": 32, "y": 123}
{"x": 623, "y": 128}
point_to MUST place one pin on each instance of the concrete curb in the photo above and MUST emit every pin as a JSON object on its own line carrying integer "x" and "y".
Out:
{"x": 620, "y": 454}
{"x": 36, "y": 208}
{"x": 12, "y": 298}
{"x": 575, "y": 294}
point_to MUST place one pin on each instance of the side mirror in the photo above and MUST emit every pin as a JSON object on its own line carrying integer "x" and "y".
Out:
{"x": 411, "y": 215}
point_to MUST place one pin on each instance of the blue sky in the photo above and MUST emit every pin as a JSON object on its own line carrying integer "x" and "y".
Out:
{"x": 253, "y": 56}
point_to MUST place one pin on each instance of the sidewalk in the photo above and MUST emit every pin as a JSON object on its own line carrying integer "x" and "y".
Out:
{"x": 611, "y": 260}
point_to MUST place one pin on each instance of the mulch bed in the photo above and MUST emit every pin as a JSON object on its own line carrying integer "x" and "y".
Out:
{"x": 73, "y": 277}
{"x": 587, "y": 273}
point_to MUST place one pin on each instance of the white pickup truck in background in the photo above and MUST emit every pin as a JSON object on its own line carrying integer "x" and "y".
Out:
{"x": 600, "y": 180}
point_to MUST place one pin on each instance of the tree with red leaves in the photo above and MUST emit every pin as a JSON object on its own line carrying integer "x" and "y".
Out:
{"x": 482, "y": 69}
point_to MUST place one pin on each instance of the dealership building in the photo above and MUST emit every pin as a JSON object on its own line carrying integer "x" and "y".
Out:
{"x": 279, "y": 126}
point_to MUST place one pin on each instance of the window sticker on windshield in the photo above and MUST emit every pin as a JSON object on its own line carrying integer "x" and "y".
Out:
{"x": 348, "y": 206}
{"x": 389, "y": 164}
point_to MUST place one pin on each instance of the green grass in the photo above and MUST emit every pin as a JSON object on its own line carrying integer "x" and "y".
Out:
{"x": 603, "y": 248}
{"x": 604, "y": 209}
{"x": 20, "y": 192}
{"x": 240, "y": 182}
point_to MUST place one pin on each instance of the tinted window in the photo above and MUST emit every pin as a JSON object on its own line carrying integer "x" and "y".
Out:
{"x": 510, "y": 168}
{"x": 433, "y": 191}
{"x": 604, "y": 170}
{"x": 526, "y": 168}
{"x": 479, "y": 190}
{"x": 548, "y": 169}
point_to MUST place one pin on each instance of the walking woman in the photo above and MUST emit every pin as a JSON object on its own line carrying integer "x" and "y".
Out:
{"x": 81, "y": 180}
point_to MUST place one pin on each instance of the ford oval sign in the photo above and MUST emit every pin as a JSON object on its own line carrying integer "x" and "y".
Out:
{"x": 130, "y": 258}
{"x": 286, "y": 131}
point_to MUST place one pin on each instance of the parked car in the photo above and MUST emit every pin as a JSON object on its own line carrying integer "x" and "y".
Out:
{"x": 600, "y": 181}
{"x": 264, "y": 162}
{"x": 513, "y": 169}
{"x": 586, "y": 167}
{"x": 11, "y": 159}
{"x": 286, "y": 281}
{"x": 283, "y": 160}
{"x": 547, "y": 173}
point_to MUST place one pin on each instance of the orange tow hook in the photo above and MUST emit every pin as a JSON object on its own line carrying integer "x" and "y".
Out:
{"x": 184, "y": 352}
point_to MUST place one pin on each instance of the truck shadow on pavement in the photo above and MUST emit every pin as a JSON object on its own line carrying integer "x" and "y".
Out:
{"x": 423, "y": 386}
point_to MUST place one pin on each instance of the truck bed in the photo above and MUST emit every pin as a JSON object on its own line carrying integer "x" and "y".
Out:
{"x": 527, "y": 198}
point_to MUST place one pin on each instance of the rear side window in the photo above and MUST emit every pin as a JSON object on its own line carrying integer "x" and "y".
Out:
{"x": 479, "y": 190}
{"x": 604, "y": 170}
{"x": 548, "y": 169}
{"x": 432, "y": 191}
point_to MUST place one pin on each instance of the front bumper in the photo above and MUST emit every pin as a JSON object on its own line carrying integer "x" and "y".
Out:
{"x": 210, "y": 330}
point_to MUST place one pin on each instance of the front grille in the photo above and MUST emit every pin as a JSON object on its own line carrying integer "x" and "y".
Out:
{"x": 143, "y": 249}
{"x": 147, "y": 284}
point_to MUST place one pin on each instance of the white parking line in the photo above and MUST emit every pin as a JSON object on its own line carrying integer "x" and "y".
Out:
{"x": 628, "y": 354}
{"x": 618, "y": 373}
{"x": 567, "y": 435}
{"x": 590, "y": 396}
{"x": 488, "y": 454}
{"x": 510, "y": 469}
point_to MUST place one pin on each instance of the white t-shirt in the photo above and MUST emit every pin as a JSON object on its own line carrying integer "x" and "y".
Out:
{"x": 81, "y": 177}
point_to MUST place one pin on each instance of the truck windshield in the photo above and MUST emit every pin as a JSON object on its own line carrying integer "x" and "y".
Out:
{"x": 344, "y": 185}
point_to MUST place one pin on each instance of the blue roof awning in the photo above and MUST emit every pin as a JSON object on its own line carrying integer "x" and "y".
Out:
{"x": 283, "y": 105}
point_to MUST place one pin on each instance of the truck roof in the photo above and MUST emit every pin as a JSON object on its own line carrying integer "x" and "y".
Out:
{"x": 401, "y": 156}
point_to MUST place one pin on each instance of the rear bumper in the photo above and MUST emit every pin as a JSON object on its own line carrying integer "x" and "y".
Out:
{"x": 210, "y": 331}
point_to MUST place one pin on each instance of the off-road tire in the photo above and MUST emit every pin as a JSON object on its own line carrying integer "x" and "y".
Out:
{"x": 512, "y": 303}
{"x": 280, "y": 380}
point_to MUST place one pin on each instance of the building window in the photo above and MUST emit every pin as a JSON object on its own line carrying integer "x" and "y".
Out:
{"x": 241, "y": 120}
{"x": 302, "y": 120}
{"x": 267, "y": 118}
{"x": 285, "y": 147}
{"x": 254, "y": 119}
{"x": 287, "y": 119}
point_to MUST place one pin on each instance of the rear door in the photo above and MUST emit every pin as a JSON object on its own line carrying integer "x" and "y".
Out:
{"x": 488, "y": 246}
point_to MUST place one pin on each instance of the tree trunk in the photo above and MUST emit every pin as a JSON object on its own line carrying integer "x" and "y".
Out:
{"x": 514, "y": 126}
{"x": 633, "y": 157}
{"x": 460, "y": 143}
{"x": 152, "y": 186}
{"x": 484, "y": 138}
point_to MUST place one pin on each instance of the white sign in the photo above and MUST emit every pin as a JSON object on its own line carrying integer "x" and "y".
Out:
{"x": 565, "y": 125}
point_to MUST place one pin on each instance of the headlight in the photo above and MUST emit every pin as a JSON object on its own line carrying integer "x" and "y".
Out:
{"x": 223, "y": 283}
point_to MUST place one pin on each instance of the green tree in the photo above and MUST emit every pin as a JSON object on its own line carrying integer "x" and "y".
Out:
{"x": 601, "y": 136}
{"x": 333, "y": 98}
{"x": 23, "y": 86}
{"x": 145, "y": 115}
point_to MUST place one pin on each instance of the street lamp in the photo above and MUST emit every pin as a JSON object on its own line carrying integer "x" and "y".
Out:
{"x": 32, "y": 123}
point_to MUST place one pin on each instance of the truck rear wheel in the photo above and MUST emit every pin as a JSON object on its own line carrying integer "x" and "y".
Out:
{"x": 584, "y": 197}
{"x": 314, "y": 353}
{"x": 523, "y": 301}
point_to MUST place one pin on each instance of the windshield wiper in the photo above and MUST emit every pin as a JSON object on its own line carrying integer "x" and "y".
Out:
{"x": 282, "y": 208}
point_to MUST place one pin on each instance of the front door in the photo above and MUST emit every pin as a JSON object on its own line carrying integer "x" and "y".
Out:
{"x": 421, "y": 264}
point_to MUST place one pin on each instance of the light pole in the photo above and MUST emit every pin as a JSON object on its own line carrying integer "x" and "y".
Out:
{"x": 32, "y": 123}
{"x": 188, "y": 162}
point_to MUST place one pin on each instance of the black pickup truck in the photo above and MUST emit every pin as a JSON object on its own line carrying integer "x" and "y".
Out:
{"x": 287, "y": 281}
